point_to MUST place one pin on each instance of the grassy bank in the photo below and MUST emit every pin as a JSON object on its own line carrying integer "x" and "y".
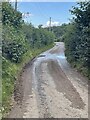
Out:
{"x": 10, "y": 75}
{"x": 84, "y": 70}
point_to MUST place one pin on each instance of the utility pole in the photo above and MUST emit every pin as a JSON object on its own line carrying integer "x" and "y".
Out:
{"x": 16, "y": 5}
{"x": 50, "y": 24}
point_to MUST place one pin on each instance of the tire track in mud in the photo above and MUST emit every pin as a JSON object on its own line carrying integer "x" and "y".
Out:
{"x": 40, "y": 93}
{"x": 53, "y": 93}
{"x": 64, "y": 85}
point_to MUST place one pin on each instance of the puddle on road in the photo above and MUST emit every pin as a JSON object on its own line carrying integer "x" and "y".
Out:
{"x": 61, "y": 57}
{"x": 48, "y": 56}
{"x": 41, "y": 55}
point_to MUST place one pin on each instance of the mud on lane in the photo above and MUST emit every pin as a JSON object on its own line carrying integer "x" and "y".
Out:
{"x": 57, "y": 91}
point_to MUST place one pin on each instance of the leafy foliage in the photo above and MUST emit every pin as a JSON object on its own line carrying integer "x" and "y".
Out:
{"x": 37, "y": 37}
{"x": 14, "y": 45}
{"x": 18, "y": 36}
{"x": 10, "y": 16}
{"x": 58, "y": 31}
{"x": 21, "y": 42}
{"x": 77, "y": 38}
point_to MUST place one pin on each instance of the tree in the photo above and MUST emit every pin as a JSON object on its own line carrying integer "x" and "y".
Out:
{"x": 78, "y": 39}
{"x": 10, "y": 16}
{"x": 14, "y": 43}
{"x": 40, "y": 26}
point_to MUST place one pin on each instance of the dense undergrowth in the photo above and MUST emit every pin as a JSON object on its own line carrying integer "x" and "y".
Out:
{"x": 21, "y": 42}
{"x": 76, "y": 36}
{"x": 11, "y": 72}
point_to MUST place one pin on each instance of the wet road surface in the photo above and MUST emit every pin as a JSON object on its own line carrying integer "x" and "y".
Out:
{"x": 52, "y": 89}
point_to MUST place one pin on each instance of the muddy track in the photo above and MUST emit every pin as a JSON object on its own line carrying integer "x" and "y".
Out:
{"x": 50, "y": 88}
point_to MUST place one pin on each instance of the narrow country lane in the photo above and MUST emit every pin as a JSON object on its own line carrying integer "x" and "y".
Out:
{"x": 52, "y": 89}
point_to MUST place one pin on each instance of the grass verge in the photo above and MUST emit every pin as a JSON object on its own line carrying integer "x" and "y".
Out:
{"x": 79, "y": 67}
{"x": 10, "y": 72}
